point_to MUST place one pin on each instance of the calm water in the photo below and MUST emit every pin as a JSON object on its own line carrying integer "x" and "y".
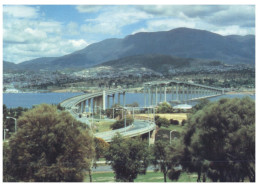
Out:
{"x": 13, "y": 100}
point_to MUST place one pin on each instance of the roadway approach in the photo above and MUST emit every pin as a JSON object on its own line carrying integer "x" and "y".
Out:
{"x": 77, "y": 106}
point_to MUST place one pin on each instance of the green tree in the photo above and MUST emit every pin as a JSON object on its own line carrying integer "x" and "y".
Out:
{"x": 220, "y": 141}
{"x": 166, "y": 157}
{"x": 121, "y": 123}
{"x": 114, "y": 111}
{"x": 134, "y": 104}
{"x": 162, "y": 122}
{"x": 10, "y": 123}
{"x": 100, "y": 149}
{"x": 128, "y": 158}
{"x": 200, "y": 105}
{"x": 49, "y": 146}
{"x": 164, "y": 108}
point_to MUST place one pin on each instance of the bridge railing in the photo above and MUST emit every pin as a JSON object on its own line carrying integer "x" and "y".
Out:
{"x": 131, "y": 133}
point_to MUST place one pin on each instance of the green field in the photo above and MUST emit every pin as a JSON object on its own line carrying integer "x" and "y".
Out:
{"x": 148, "y": 177}
{"x": 102, "y": 126}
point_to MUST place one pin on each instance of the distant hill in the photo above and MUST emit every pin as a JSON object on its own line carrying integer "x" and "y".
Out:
{"x": 157, "y": 63}
{"x": 180, "y": 42}
{"x": 9, "y": 66}
{"x": 162, "y": 64}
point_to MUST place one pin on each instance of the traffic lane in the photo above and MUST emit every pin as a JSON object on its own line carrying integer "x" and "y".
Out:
{"x": 139, "y": 125}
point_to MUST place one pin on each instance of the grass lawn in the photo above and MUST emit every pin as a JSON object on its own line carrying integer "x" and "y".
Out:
{"x": 102, "y": 126}
{"x": 175, "y": 116}
{"x": 148, "y": 177}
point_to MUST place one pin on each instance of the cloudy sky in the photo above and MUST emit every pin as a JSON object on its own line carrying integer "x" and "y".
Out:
{"x": 54, "y": 30}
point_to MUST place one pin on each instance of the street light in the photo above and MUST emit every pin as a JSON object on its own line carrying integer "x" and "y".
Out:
{"x": 5, "y": 130}
{"x": 15, "y": 124}
{"x": 122, "y": 116}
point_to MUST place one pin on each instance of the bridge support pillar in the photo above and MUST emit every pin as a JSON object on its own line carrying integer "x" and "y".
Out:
{"x": 165, "y": 94}
{"x": 160, "y": 93}
{"x": 118, "y": 99}
{"x": 84, "y": 106}
{"x": 114, "y": 99}
{"x": 156, "y": 100}
{"x": 151, "y": 96}
{"x": 123, "y": 99}
{"x": 104, "y": 100}
{"x": 177, "y": 92}
{"x": 144, "y": 96}
{"x": 172, "y": 92}
{"x": 94, "y": 105}
{"x": 108, "y": 101}
{"x": 89, "y": 105}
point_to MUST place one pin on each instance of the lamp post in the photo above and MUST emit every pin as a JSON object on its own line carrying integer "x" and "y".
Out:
{"x": 5, "y": 130}
{"x": 15, "y": 124}
{"x": 124, "y": 116}
{"x": 113, "y": 113}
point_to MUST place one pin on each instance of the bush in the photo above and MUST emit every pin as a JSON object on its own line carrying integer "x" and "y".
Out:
{"x": 162, "y": 122}
{"x": 174, "y": 122}
{"x": 165, "y": 108}
{"x": 121, "y": 123}
{"x": 183, "y": 122}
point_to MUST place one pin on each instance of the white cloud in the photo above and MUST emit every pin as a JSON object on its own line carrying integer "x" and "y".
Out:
{"x": 51, "y": 47}
{"x": 72, "y": 28}
{"x": 78, "y": 43}
{"x": 21, "y": 11}
{"x": 88, "y": 8}
{"x": 25, "y": 38}
{"x": 113, "y": 20}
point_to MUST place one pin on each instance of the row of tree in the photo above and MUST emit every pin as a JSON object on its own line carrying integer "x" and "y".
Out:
{"x": 218, "y": 143}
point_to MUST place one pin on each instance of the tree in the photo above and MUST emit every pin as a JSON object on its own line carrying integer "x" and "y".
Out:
{"x": 121, "y": 123}
{"x": 200, "y": 105}
{"x": 114, "y": 111}
{"x": 162, "y": 122}
{"x": 49, "y": 146}
{"x": 220, "y": 141}
{"x": 134, "y": 104}
{"x": 128, "y": 158}
{"x": 164, "y": 108}
{"x": 10, "y": 123}
{"x": 167, "y": 157}
{"x": 174, "y": 122}
{"x": 100, "y": 149}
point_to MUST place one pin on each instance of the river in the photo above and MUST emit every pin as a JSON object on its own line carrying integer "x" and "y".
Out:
{"x": 27, "y": 100}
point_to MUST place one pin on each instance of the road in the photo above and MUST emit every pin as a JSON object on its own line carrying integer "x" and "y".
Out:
{"x": 139, "y": 127}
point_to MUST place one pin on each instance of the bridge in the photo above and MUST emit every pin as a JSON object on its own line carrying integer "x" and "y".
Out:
{"x": 181, "y": 92}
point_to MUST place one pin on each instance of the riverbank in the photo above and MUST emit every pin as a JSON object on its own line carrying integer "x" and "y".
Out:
{"x": 244, "y": 92}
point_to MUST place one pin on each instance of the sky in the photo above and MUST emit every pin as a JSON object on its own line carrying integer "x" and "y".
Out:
{"x": 33, "y": 31}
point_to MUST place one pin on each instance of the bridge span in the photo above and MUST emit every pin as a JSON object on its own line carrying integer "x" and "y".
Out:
{"x": 181, "y": 92}
{"x": 77, "y": 105}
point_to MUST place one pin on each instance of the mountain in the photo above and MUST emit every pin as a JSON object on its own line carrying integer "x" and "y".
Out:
{"x": 155, "y": 63}
{"x": 180, "y": 42}
{"x": 158, "y": 63}
{"x": 9, "y": 66}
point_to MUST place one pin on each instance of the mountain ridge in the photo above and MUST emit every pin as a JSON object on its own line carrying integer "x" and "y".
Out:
{"x": 179, "y": 42}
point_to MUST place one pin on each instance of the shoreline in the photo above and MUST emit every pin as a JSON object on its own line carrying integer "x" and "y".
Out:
{"x": 131, "y": 90}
